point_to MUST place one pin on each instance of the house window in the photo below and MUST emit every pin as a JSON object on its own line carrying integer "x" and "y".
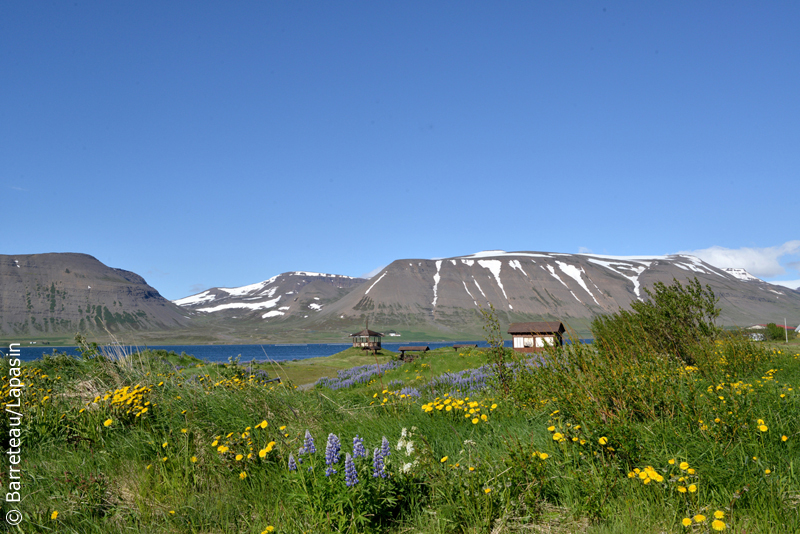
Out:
{"x": 523, "y": 342}
{"x": 544, "y": 341}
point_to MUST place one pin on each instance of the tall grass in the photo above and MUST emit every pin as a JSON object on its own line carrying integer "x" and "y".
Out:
{"x": 585, "y": 441}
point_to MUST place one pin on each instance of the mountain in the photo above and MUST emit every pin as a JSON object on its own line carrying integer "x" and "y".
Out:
{"x": 297, "y": 293}
{"x": 47, "y": 295}
{"x": 443, "y": 297}
{"x": 64, "y": 293}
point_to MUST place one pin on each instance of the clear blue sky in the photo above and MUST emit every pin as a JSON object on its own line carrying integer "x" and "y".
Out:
{"x": 217, "y": 144}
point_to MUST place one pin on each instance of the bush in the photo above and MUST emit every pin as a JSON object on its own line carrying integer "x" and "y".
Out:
{"x": 778, "y": 333}
{"x": 676, "y": 320}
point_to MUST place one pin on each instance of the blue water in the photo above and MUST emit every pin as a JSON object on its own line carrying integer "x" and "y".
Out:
{"x": 221, "y": 353}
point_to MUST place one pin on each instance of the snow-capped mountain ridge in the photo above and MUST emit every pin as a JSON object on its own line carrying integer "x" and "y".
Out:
{"x": 448, "y": 293}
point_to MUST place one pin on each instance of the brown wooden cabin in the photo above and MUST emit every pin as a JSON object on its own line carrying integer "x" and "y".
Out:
{"x": 535, "y": 337}
{"x": 367, "y": 340}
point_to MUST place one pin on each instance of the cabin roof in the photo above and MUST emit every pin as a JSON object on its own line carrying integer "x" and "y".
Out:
{"x": 367, "y": 332}
{"x": 544, "y": 327}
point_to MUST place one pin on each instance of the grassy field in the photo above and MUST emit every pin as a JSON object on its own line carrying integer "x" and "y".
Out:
{"x": 157, "y": 442}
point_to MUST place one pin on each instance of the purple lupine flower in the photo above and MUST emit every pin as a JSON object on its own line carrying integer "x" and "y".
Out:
{"x": 332, "y": 450}
{"x": 358, "y": 447}
{"x": 292, "y": 464}
{"x": 308, "y": 445}
{"x": 377, "y": 464}
{"x": 386, "y": 449}
{"x": 350, "y": 477}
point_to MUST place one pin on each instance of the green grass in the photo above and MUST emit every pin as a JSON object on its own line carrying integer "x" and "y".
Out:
{"x": 163, "y": 471}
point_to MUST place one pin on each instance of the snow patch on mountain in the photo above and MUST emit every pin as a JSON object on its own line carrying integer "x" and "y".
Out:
{"x": 376, "y": 281}
{"x": 575, "y": 273}
{"x": 246, "y": 305}
{"x": 742, "y": 274}
{"x": 494, "y": 267}
{"x": 205, "y": 296}
{"x": 552, "y": 271}
{"x": 515, "y": 264}
{"x": 436, "y": 279}
{"x": 618, "y": 266}
{"x": 468, "y": 293}
{"x": 479, "y": 287}
{"x": 504, "y": 254}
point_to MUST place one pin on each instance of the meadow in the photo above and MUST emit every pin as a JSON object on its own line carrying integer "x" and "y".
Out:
{"x": 600, "y": 439}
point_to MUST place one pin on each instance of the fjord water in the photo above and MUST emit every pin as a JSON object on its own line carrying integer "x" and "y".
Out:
{"x": 221, "y": 353}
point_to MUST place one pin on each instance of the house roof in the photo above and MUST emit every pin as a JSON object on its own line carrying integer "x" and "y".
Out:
{"x": 367, "y": 332}
{"x": 545, "y": 327}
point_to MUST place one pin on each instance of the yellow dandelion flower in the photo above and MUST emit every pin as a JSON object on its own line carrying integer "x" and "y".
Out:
{"x": 686, "y": 522}
{"x": 282, "y": 428}
{"x": 763, "y": 428}
{"x": 767, "y": 471}
{"x": 164, "y": 445}
{"x": 551, "y": 428}
{"x": 242, "y": 475}
{"x": 107, "y": 422}
{"x": 603, "y": 440}
{"x": 671, "y": 462}
{"x": 719, "y": 514}
{"x": 193, "y": 459}
{"x": 699, "y": 518}
{"x": 268, "y": 530}
{"x": 682, "y": 489}
{"x": 544, "y": 455}
{"x": 239, "y": 457}
{"x": 475, "y": 421}
{"x": 557, "y": 436}
{"x": 692, "y": 488}
{"x": 444, "y": 459}
{"x": 487, "y": 490}
{"x": 172, "y": 512}
{"x": 718, "y": 525}
{"x": 184, "y": 430}
{"x": 54, "y": 515}
{"x": 684, "y": 466}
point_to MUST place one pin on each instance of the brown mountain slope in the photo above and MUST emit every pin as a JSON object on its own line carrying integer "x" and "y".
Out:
{"x": 446, "y": 294}
{"x": 65, "y": 293}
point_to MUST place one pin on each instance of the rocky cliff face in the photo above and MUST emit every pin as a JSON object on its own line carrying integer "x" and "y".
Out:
{"x": 67, "y": 293}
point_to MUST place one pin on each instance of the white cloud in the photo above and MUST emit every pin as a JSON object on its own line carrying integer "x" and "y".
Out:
{"x": 791, "y": 284}
{"x": 373, "y": 272}
{"x": 584, "y": 250}
{"x": 761, "y": 262}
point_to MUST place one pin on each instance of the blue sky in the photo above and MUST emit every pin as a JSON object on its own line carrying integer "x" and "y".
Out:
{"x": 205, "y": 144}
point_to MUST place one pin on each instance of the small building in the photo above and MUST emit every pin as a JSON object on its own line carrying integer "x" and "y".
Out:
{"x": 367, "y": 340}
{"x": 534, "y": 337}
